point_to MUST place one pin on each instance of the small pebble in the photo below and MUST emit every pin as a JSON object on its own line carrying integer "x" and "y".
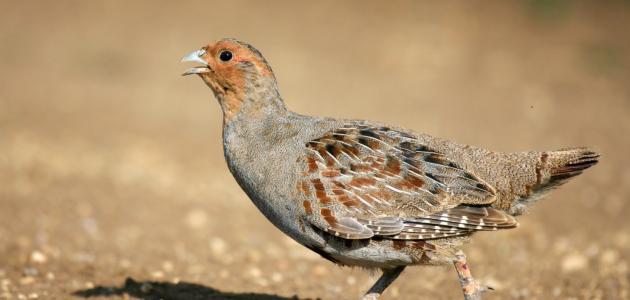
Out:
{"x": 556, "y": 291}
{"x": 33, "y": 296}
{"x": 622, "y": 267}
{"x": 157, "y": 274}
{"x": 276, "y": 277}
{"x": 522, "y": 293}
{"x": 562, "y": 245}
{"x": 350, "y": 280}
{"x": 254, "y": 272}
{"x": 83, "y": 257}
{"x": 5, "y": 282}
{"x": 320, "y": 270}
{"x": 227, "y": 259}
{"x": 38, "y": 257}
{"x": 196, "y": 219}
{"x": 609, "y": 257}
{"x": 622, "y": 239}
{"x": 84, "y": 209}
{"x": 218, "y": 246}
{"x": 254, "y": 256}
{"x": 30, "y": 272}
{"x": 335, "y": 289}
{"x": 394, "y": 292}
{"x": 50, "y": 276}
{"x": 90, "y": 226}
{"x": 574, "y": 262}
{"x": 167, "y": 266}
{"x": 262, "y": 282}
{"x": 196, "y": 269}
{"x": 592, "y": 250}
{"x": 27, "y": 280}
{"x": 124, "y": 263}
{"x": 23, "y": 241}
{"x": 273, "y": 251}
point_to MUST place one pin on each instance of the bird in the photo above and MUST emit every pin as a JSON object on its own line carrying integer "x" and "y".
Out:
{"x": 362, "y": 193}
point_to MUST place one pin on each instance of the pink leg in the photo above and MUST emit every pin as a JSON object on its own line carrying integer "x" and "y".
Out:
{"x": 471, "y": 288}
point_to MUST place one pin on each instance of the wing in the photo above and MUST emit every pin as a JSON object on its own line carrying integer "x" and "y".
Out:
{"x": 359, "y": 181}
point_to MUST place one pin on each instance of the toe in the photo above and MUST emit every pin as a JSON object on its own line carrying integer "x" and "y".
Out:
{"x": 370, "y": 296}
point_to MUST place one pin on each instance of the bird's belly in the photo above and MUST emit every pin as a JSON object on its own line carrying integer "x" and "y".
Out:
{"x": 372, "y": 257}
{"x": 389, "y": 253}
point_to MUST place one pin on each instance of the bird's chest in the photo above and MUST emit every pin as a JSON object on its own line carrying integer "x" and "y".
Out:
{"x": 267, "y": 173}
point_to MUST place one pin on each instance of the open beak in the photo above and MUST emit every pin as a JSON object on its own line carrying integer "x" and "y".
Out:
{"x": 196, "y": 57}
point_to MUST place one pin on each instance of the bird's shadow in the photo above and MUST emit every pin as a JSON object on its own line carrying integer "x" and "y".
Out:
{"x": 156, "y": 290}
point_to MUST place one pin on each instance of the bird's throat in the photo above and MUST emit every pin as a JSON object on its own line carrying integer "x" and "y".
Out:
{"x": 231, "y": 104}
{"x": 247, "y": 107}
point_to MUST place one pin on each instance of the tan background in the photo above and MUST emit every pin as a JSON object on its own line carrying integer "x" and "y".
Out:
{"x": 111, "y": 164}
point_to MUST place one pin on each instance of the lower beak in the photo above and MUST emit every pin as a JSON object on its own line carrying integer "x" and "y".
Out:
{"x": 196, "y": 70}
{"x": 196, "y": 57}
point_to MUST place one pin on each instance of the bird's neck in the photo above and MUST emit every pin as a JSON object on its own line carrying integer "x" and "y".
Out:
{"x": 256, "y": 134}
{"x": 256, "y": 100}
{"x": 258, "y": 111}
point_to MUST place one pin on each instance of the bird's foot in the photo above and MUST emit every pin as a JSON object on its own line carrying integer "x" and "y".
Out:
{"x": 473, "y": 290}
{"x": 370, "y": 296}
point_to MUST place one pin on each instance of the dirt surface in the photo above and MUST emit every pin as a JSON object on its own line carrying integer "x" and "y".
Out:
{"x": 112, "y": 178}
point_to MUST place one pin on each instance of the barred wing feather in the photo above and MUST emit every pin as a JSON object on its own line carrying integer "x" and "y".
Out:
{"x": 361, "y": 181}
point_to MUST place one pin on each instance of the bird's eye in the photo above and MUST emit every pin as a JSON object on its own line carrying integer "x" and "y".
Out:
{"x": 225, "y": 55}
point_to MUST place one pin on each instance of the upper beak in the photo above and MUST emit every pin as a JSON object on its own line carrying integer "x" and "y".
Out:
{"x": 196, "y": 57}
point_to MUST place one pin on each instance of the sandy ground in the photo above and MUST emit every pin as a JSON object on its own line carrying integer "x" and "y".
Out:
{"x": 112, "y": 179}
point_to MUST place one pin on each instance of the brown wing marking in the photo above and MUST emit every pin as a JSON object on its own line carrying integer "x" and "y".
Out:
{"x": 363, "y": 181}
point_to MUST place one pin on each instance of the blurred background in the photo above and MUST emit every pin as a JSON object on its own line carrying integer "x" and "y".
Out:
{"x": 112, "y": 177}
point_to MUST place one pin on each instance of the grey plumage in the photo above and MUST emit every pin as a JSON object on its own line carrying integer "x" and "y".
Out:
{"x": 365, "y": 194}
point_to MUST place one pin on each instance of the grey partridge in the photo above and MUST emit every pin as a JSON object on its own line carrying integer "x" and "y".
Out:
{"x": 360, "y": 193}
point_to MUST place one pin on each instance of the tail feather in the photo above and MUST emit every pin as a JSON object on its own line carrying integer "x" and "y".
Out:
{"x": 568, "y": 164}
{"x": 553, "y": 169}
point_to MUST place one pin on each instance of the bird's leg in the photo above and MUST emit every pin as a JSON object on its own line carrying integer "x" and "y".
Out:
{"x": 389, "y": 275}
{"x": 471, "y": 288}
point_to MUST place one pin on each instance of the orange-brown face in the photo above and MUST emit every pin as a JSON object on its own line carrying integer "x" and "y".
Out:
{"x": 228, "y": 66}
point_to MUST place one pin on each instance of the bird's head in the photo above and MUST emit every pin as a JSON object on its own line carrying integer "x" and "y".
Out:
{"x": 237, "y": 74}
